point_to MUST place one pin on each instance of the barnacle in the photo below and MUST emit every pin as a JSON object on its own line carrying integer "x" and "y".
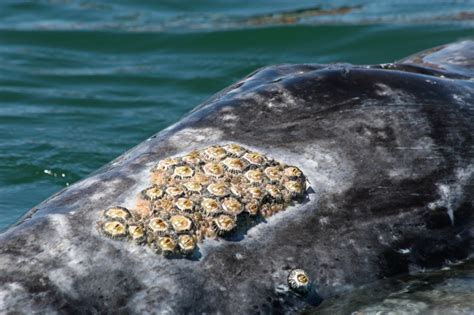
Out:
{"x": 167, "y": 163}
{"x": 158, "y": 225}
{"x": 186, "y": 243}
{"x": 299, "y": 281}
{"x": 117, "y": 213}
{"x": 234, "y": 165}
{"x": 184, "y": 204}
{"x": 254, "y": 176}
{"x": 232, "y": 206}
{"x": 203, "y": 194}
{"x": 114, "y": 229}
{"x": 210, "y": 206}
{"x": 223, "y": 224}
{"x": 152, "y": 193}
{"x": 183, "y": 171}
{"x": 213, "y": 169}
{"x": 137, "y": 233}
{"x": 218, "y": 189}
{"x": 181, "y": 223}
{"x": 166, "y": 244}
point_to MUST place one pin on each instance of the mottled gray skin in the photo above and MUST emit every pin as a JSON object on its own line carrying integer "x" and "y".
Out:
{"x": 388, "y": 150}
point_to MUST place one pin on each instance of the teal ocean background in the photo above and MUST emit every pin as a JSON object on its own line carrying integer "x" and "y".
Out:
{"x": 83, "y": 81}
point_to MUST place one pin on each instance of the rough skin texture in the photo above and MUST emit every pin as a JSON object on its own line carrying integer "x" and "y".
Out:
{"x": 389, "y": 148}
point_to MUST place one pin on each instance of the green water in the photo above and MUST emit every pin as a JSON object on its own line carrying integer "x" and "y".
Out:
{"x": 83, "y": 81}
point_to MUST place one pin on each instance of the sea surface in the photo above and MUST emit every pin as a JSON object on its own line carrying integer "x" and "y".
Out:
{"x": 83, "y": 81}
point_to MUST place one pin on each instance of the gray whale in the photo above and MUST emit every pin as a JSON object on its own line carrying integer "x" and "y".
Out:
{"x": 388, "y": 150}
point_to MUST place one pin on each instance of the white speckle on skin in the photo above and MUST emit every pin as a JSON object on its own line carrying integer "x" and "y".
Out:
{"x": 450, "y": 195}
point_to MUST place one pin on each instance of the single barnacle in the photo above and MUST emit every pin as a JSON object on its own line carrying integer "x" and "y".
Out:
{"x": 167, "y": 164}
{"x": 254, "y": 176}
{"x": 213, "y": 169}
{"x": 186, "y": 244}
{"x": 292, "y": 171}
{"x": 184, "y": 204}
{"x": 137, "y": 233}
{"x": 114, "y": 229}
{"x": 117, "y": 213}
{"x": 183, "y": 171}
{"x": 299, "y": 281}
{"x": 166, "y": 244}
{"x": 232, "y": 206}
{"x": 215, "y": 153}
{"x": 273, "y": 173}
{"x": 294, "y": 187}
{"x": 152, "y": 193}
{"x": 158, "y": 225}
{"x": 210, "y": 206}
{"x": 254, "y": 158}
{"x": 256, "y": 192}
{"x": 181, "y": 223}
{"x": 223, "y": 224}
{"x": 234, "y": 149}
{"x": 192, "y": 158}
{"x": 193, "y": 186}
{"x": 252, "y": 207}
{"x": 274, "y": 191}
{"x": 234, "y": 165}
{"x": 237, "y": 190}
{"x": 218, "y": 189}
{"x": 174, "y": 191}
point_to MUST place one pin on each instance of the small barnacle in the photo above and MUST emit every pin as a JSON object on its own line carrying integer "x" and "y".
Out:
{"x": 184, "y": 204}
{"x": 186, "y": 244}
{"x": 252, "y": 207}
{"x": 234, "y": 149}
{"x": 193, "y": 186}
{"x": 273, "y": 173}
{"x": 232, "y": 206}
{"x": 254, "y": 158}
{"x": 274, "y": 191}
{"x": 174, "y": 191}
{"x": 166, "y": 244}
{"x": 294, "y": 187}
{"x": 181, "y": 223}
{"x": 210, "y": 206}
{"x": 152, "y": 193}
{"x": 114, "y": 229}
{"x": 168, "y": 163}
{"x": 215, "y": 153}
{"x": 234, "y": 165}
{"x": 292, "y": 172}
{"x": 299, "y": 281}
{"x": 223, "y": 224}
{"x": 192, "y": 158}
{"x": 237, "y": 190}
{"x": 213, "y": 169}
{"x": 218, "y": 189}
{"x": 256, "y": 192}
{"x": 137, "y": 233}
{"x": 254, "y": 176}
{"x": 117, "y": 213}
{"x": 158, "y": 225}
{"x": 183, "y": 171}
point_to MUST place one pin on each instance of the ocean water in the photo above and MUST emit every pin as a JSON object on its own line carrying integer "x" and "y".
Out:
{"x": 83, "y": 81}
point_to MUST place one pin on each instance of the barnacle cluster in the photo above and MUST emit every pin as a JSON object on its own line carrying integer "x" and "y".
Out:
{"x": 204, "y": 194}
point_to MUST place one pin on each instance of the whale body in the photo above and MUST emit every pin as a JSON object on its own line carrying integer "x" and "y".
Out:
{"x": 387, "y": 150}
